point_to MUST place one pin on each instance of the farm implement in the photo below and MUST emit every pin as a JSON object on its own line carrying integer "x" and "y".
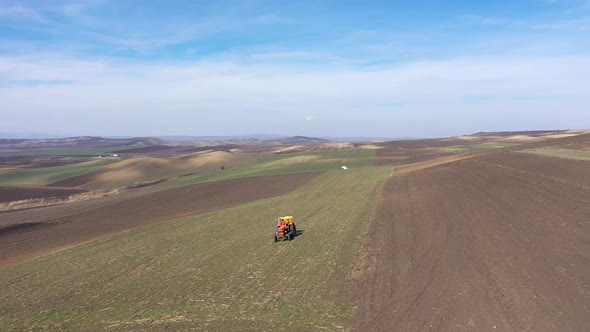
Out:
{"x": 286, "y": 229}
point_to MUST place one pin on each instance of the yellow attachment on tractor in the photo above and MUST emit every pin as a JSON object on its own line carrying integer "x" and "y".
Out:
{"x": 288, "y": 219}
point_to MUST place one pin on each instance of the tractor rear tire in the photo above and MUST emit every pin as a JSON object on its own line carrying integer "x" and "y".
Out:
{"x": 294, "y": 230}
{"x": 290, "y": 236}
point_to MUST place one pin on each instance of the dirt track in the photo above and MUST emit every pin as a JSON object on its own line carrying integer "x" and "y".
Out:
{"x": 9, "y": 194}
{"x": 29, "y": 233}
{"x": 500, "y": 243}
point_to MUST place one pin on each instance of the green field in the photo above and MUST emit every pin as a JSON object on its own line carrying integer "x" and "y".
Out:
{"x": 248, "y": 165}
{"x": 218, "y": 271}
{"x": 42, "y": 176}
{"x": 75, "y": 152}
{"x": 284, "y": 164}
{"x": 560, "y": 153}
{"x": 461, "y": 149}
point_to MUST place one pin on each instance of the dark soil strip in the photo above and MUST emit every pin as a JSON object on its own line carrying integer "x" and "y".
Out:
{"x": 149, "y": 208}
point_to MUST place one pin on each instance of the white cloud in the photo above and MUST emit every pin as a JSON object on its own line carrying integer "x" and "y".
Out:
{"x": 221, "y": 95}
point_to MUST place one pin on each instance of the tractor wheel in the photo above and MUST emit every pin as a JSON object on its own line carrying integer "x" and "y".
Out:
{"x": 290, "y": 236}
{"x": 294, "y": 230}
{"x": 276, "y": 238}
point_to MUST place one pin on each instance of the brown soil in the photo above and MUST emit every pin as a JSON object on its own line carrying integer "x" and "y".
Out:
{"x": 10, "y": 194}
{"x": 414, "y": 151}
{"x": 146, "y": 149}
{"x": 53, "y": 229}
{"x": 569, "y": 171}
{"x": 403, "y": 157}
{"x": 39, "y": 161}
{"x": 494, "y": 243}
{"x": 584, "y": 146}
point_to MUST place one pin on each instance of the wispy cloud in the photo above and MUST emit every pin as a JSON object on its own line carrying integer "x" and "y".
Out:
{"x": 277, "y": 95}
{"x": 18, "y": 11}
{"x": 195, "y": 69}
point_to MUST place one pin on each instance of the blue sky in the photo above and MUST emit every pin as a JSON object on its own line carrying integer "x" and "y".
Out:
{"x": 322, "y": 68}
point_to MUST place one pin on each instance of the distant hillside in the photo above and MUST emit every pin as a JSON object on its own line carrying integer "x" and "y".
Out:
{"x": 76, "y": 142}
{"x": 220, "y": 138}
{"x": 354, "y": 139}
{"x": 97, "y": 142}
{"x": 533, "y": 133}
{"x": 29, "y": 136}
{"x": 298, "y": 140}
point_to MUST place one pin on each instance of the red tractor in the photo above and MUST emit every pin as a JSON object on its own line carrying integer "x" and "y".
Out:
{"x": 285, "y": 229}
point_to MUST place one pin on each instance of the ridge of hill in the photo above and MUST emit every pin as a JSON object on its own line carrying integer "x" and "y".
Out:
{"x": 92, "y": 141}
{"x": 76, "y": 142}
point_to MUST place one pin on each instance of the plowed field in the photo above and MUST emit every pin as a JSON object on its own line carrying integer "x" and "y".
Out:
{"x": 494, "y": 243}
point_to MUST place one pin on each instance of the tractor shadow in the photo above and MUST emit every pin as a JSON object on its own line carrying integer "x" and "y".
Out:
{"x": 300, "y": 232}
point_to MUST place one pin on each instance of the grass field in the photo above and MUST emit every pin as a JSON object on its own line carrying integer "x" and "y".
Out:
{"x": 41, "y": 176}
{"x": 284, "y": 164}
{"x": 126, "y": 172}
{"x": 560, "y": 153}
{"x": 460, "y": 149}
{"x": 75, "y": 152}
{"x": 219, "y": 271}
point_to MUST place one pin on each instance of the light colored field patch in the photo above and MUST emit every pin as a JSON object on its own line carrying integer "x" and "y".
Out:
{"x": 208, "y": 160}
{"x": 118, "y": 176}
{"x": 291, "y": 161}
{"x": 42, "y": 176}
{"x": 336, "y": 146}
{"x": 519, "y": 139}
{"x": 468, "y": 138}
{"x": 150, "y": 169}
{"x": 371, "y": 147}
{"x": 579, "y": 131}
{"x": 294, "y": 148}
{"x": 560, "y": 135}
{"x": 142, "y": 162}
{"x": 129, "y": 171}
{"x": 559, "y": 153}
{"x": 37, "y": 202}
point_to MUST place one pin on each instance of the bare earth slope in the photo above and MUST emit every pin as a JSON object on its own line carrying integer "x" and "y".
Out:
{"x": 499, "y": 242}
{"x": 20, "y": 239}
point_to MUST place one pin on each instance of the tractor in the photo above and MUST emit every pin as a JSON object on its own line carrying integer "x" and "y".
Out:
{"x": 285, "y": 229}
